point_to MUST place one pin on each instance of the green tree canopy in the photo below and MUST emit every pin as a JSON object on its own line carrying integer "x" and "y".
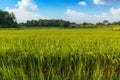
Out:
{"x": 105, "y": 22}
{"x": 7, "y": 20}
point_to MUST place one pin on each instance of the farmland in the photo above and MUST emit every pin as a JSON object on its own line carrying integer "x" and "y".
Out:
{"x": 60, "y": 54}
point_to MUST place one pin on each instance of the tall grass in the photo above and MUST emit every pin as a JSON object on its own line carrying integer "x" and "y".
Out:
{"x": 60, "y": 54}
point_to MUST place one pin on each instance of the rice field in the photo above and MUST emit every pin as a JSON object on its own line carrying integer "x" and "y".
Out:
{"x": 60, "y": 54}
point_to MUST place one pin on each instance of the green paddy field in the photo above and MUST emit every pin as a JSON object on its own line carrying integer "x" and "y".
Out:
{"x": 60, "y": 54}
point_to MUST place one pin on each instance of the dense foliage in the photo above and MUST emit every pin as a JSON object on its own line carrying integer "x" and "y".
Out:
{"x": 60, "y": 54}
{"x": 66, "y": 24}
{"x": 7, "y": 20}
{"x": 46, "y": 23}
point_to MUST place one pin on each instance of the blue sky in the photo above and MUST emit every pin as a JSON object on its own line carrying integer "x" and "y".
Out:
{"x": 73, "y": 10}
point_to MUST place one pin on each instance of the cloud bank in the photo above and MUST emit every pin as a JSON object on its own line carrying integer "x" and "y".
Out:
{"x": 82, "y": 3}
{"x": 102, "y": 2}
{"x": 80, "y": 17}
{"x": 116, "y": 13}
{"x": 77, "y": 16}
{"x": 26, "y": 10}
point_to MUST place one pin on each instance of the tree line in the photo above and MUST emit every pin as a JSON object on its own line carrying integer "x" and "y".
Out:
{"x": 45, "y": 23}
{"x": 8, "y": 20}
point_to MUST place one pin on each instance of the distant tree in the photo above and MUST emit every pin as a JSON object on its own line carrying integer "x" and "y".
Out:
{"x": 7, "y": 20}
{"x": 90, "y": 25}
{"x": 105, "y": 22}
{"x": 64, "y": 24}
{"x": 22, "y": 25}
{"x": 84, "y": 24}
{"x": 99, "y": 24}
{"x": 47, "y": 23}
{"x": 73, "y": 25}
{"x": 116, "y": 23}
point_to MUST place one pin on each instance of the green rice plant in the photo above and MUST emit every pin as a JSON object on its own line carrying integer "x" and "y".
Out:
{"x": 60, "y": 54}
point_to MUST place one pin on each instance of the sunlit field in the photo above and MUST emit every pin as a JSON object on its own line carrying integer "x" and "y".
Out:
{"x": 60, "y": 54}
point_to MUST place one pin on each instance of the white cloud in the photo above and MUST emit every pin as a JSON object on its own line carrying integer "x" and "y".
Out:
{"x": 82, "y": 3}
{"x": 74, "y": 13}
{"x": 80, "y": 17}
{"x": 102, "y": 2}
{"x": 26, "y": 10}
{"x": 115, "y": 13}
{"x": 98, "y": 1}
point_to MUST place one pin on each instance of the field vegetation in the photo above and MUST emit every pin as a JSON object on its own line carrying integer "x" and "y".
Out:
{"x": 60, "y": 54}
{"x": 58, "y": 50}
